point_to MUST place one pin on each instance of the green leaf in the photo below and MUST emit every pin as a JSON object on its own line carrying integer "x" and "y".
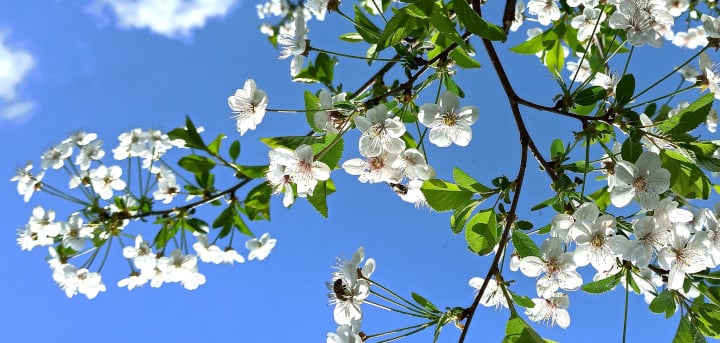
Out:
{"x": 601, "y": 197}
{"x": 524, "y": 245}
{"x": 522, "y": 300}
{"x": 312, "y": 105}
{"x": 331, "y": 154}
{"x": 253, "y": 172}
{"x": 290, "y": 142}
{"x": 557, "y": 148}
{"x": 530, "y": 47}
{"x": 239, "y": 223}
{"x": 424, "y": 303}
{"x": 708, "y": 319}
{"x": 579, "y": 167}
{"x": 663, "y": 303}
{"x": 631, "y": 150}
{"x": 319, "y": 197}
{"x": 396, "y": 30}
{"x": 463, "y": 59}
{"x": 554, "y": 58}
{"x": 452, "y": 87}
{"x": 604, "y": 285}
{"x": 481, "y": 232}
{"x": 189, "y": 135}
{"x": 234, "y": 150}
{"x": 518, "y": 331}
{"x": 476, "y": 24}
{"x": 624, "y": 90}
{"x": 444, "y": 196}
{"x": 257, "y": 202}
{"x": 466, "y": 181}
{"x": 688, "y": 333}
{"x": 214, "y": 146}
{"x": 591, "y": 95}
{"x": 365, "y": 27}
{"x": 196, "y": 225}
{"x": 686, "y": 178}
{"x": 689, "y": 118}
{"x": 460, "y": 216}
{"x": 196, "y": 164}
{"x": 323, "y": 70}
{"x": 351, "y": 37}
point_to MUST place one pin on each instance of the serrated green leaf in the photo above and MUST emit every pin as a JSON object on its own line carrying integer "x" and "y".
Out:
{"x": 686, "y": 178}
{"x": 481, "y": 232}
{"x": 524, "y": 245}
{"x": 530, "y": 47}
{"x": 460, "y": 216}
{"x": 365, "y": 27}
{"x": 476, "y": 24}
{"x": 253, "y": 172}
{"x": 224, "y": 217}
{"x": 234, "y": 150}
{"x": 196, "y": 225}
{"x": 331, "y": 155}
{"x": 690, "y": 117}
{"x": 518, "y": 331}
{"x": 452, "y": 87}
{"x": 466, "y": 181}
{"x": 319, "y": 197}
{"x": 624, "y": 89}
{"x": 604, "y": 285}
{"x": 554, "y": 57}
{"x": 464, "y": 60}
{"x": 687, "y": 333}
{"x": 196, "y": 164}
{"x": 708, "y": 319}
{"x": 396, "y": 30}
{"x": 631, "y": 150}
{"x": 444, "y": 196}
{"x": 663, "y": 303}
{"x": 323, "y": 70}
{"x": 189, "y": 135}
{"x": 257, "y": 202}
{"x": 312, "y": 105}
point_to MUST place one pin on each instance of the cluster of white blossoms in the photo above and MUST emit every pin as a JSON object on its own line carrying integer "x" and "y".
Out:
{"x": 349, "y": 287}
{"x": 298, "y": 168}
{"x": 110, "y": 205}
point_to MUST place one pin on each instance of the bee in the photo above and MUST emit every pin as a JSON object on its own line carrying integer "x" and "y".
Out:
{"x": 342, "y": 293}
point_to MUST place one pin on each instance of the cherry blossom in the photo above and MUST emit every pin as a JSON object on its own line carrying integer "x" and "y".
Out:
{"x": 448, "y": 122}
{"x": 248, "y": 104}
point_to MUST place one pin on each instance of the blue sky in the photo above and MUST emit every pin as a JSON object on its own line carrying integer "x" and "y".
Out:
{"x": 81, "y": 66}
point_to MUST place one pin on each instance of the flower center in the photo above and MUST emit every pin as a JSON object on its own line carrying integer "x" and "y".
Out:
{"x": 639, "y": 184}
{"x": 449, "y": 118}
{"x": 598, "y": 241}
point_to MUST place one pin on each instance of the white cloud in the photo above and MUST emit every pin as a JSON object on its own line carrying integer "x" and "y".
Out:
{"x": 14, "y": 66}
{"x": 171, "y": 18}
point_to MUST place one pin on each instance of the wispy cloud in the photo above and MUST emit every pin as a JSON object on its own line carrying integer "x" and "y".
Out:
{"x": 170, "y": 18}
{"x": 14, "y": 66}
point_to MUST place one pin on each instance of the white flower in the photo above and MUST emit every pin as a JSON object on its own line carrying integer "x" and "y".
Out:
{"x": 691, "y": 39}
{"x": 676, "y": 7}
{"x": 90, "y": 152}
{"x": 133, "y": 281}
{"x": 248, "y": 104}
{"x": 712, "y": 120}
{"x": 344, "y": 334}
{"x": 411, "y": 192}
{"x": 667, "y": 213}
{"x": 546, "y": 10}
{"x": 75, "y": 233}
{"x": 208, "y": 253}
{"x": 492, "y": 296}
{"x": 280, "y": 180}
{"x": 710, "y": 78}
{"x": 260, "y": 248}
{"x": 519, "y": 16}
{"x": 56, "y": 156}
{"x": 230, "y": 256}
{"x": 104, "y": 180}
{"x": 27, "y": 183}
{"x": 598, "y": 245}
{"x": 447, "y": 121}
{"x": 587, "y": 22}
{"x": 141, "y": 254}
{"x": 608, "y": 82}
{"x": 132, "y": 144}
{"x": 348, "y": 290}
{"x": 318, "y": 7}
{"x": 687, "y": 254}
{"x": 689, "y": 73}
{"x": 579, "y": 71}
{"x": 552, "y": 310}
{"x": 43, "y": 225}
{"x": 330, "y": 119}
{"x": 558, "y": 267}
{"x": 643, "y": 20}
{"x": 167, "y": 187}
{"x": 294, "y": 44}
{"x": 413, "y": 165}
{"x": 65, "y": 275}
{"x": 711, "y": 26}
{"x": 181, "y": 268}
{"x": 651, "y": 141}
{"x": 89, "y": 283}
{"x": 649, "y": 239}
{"x": 567, "y": 227}
{"x": 81, "y": 138}
{"x": 380, "y": 132}
{"x": 374, "y": 169}
{"x": 645, "y": 179}
{"x": 298, "y": 167}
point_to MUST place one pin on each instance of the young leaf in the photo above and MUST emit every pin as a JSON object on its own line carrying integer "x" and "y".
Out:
{"x": 708, "y": 319}
{"x": 590, "y": 95}
{"x": 624, "y": 90}
{"x": 214, "y": 146}
{"x": 444, "y": 196}
{"x": 524, "y": 245}
{"x": 663, "y": 303}
{"x": 424, "y": 302}
{"x": 460, "y": 216}
{"x": 522, "y": 300}
{"x": 234, "y": 150}
{"x": 481, "y": 232}
{"x": 476, "y": 24}
{"x": 686, "y": 178}
{"x": 631, "y": 150}
{"x": 312, "y": 105}
{"x": 466, "y": 181}
{"x": 690, "y": 117}
{"x": 518, "y": 331}
{"x": 688, "y": 333}
{"x": 319, "y": 197}
{"x": 604, "y": 285}
{"x": 196, "y": 164}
